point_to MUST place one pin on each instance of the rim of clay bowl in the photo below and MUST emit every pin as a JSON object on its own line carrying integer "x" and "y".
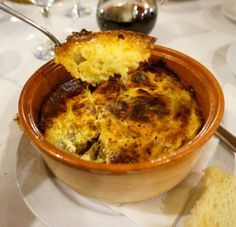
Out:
{"x": 211, "y": 123}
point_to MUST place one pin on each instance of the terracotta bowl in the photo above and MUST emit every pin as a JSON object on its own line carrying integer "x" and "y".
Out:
{"x": 124, "y": 182}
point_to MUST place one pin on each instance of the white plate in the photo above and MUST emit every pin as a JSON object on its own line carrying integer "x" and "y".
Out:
{"x": 231, "y": 57}
{"x": 57, "y": 206}
{"x": 3, "y": 15}
{"x": 54, "y": 203}
{"x": 229, "y": 9}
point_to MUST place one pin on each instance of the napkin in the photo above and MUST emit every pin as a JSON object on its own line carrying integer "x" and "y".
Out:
{"x": 229, "y": 118}
{"x": 163, "y": 210}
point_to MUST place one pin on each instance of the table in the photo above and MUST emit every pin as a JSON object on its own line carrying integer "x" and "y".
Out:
{"x": 197, "y": 28}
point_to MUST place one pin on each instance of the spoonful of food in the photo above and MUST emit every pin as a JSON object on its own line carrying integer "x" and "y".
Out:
{"x": 20, "y": 16}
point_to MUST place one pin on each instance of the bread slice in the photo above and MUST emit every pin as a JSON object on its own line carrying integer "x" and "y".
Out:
{"x": 94, "y": 57}
{"x": 216, "y": 206}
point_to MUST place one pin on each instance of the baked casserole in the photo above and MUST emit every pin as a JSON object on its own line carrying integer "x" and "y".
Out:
{"x": 121, "y": 105}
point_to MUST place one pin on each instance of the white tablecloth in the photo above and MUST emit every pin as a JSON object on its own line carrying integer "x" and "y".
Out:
{"x": 197, "y": 28}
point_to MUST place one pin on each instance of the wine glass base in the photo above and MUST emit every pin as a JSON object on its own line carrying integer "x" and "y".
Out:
{"x": 44, "y": 51}
{"x": 78, "y": 12}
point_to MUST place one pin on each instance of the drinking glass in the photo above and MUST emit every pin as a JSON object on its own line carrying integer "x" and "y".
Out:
{"x": 78, "y": 10}
{"x": 229, "y": 9}
{"x": 44, "y": 51}
{"x": 135, "y": 15}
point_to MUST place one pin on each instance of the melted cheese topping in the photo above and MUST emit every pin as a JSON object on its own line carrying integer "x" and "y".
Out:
{"x": 148, "y": 117}
{"x": 99, "y": 56}
{"x": 73, "y": 129}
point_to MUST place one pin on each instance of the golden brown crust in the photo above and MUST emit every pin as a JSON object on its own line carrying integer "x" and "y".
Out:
{"x": 144, "y": 119}
{"x": 85, "y": 36}
{"x": 130, "y": 107}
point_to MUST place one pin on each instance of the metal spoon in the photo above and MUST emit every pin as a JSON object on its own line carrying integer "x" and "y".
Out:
{"x": 20, "y": 16}
{"x": 226, "y": 137}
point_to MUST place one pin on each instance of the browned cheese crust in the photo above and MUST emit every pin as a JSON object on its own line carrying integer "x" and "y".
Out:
{"x": 149, "y": 116}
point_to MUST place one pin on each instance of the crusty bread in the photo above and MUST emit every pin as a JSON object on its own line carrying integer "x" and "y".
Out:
{"x": 94, "y": 57}
{"x": 216, "y": 206}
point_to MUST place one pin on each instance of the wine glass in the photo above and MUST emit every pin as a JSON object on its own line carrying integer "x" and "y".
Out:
{"x": 78, "y": 10}
{"x": 135, "y": 15}
{"x": 44, "y": 51}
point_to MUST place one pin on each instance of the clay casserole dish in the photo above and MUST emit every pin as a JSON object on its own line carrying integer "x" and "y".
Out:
{"x": 124, "y": 182}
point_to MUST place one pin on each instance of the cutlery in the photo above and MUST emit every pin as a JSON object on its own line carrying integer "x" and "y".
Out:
{"x": 20, "y": 16}
{"x": 226, "y": 137}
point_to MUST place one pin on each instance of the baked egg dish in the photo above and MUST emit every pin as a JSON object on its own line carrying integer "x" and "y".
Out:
{"x": 114, "y": 110}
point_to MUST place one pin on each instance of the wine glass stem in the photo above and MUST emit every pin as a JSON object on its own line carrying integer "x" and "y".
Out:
{"x": 78, "y": 4}
{"x": 78, "y": 10}
{"x": 45, "y": 51}
{"x": 45, "y": 11}
{"x": 163, "y": 1}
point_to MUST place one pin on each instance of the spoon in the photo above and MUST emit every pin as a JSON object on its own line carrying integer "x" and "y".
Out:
{"x": 20, "y": 16}
{"x": 225, "y": 136}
